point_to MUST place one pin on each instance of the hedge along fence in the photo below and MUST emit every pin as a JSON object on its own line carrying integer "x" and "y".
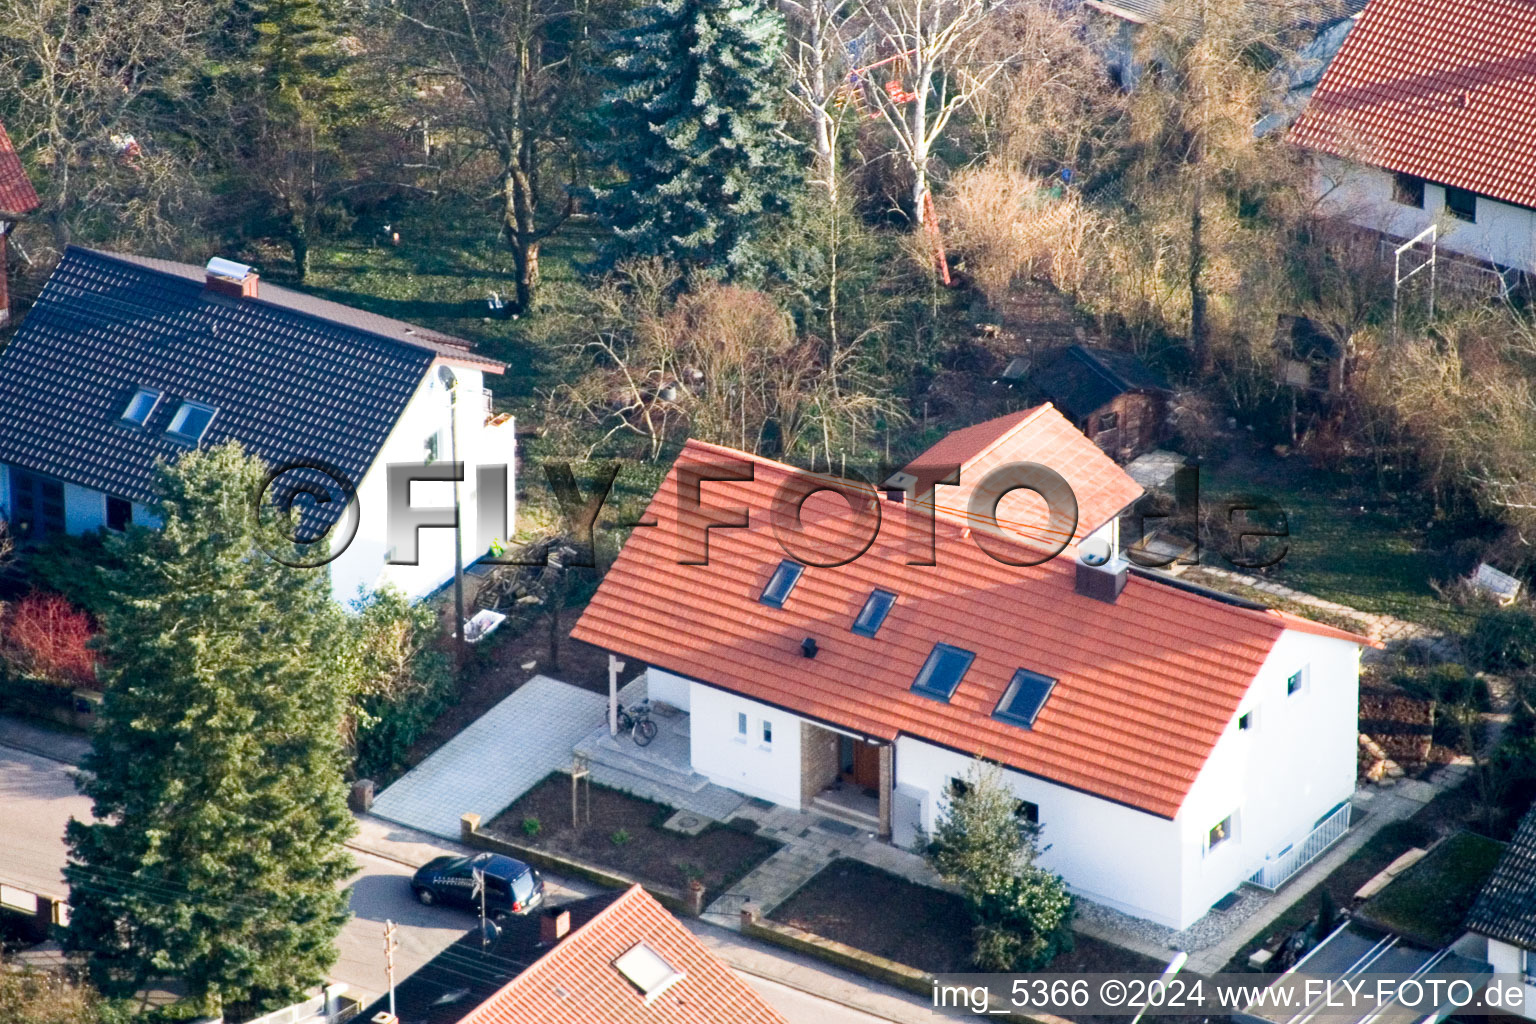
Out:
{"x": 689, "y": 903}
{"x": 38, "y": 698}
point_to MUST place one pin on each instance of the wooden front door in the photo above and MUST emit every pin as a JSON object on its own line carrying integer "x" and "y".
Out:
{"x": 866, "y": 765}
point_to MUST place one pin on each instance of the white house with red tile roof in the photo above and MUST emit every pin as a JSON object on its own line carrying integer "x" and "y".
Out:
{"x": 1173, "y": 743}
{"x": 1425, "y": 117}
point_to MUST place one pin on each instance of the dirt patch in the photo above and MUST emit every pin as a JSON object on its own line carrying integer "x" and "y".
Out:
{"x": 625, "y": 835}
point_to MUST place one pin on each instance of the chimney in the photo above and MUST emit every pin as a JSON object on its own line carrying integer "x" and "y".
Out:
{"x": 808, "y": 647}
{"x": 226, "y": 277}
{"x": 554, "y": 923}
{"x": 1102, "y": 582}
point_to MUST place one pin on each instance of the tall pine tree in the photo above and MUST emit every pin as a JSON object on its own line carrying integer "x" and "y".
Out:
{"x": 692, "y": 123}
{"x": 216, "y": 775}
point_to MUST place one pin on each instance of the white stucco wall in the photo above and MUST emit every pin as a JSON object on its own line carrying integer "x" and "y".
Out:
{"x": 1107, "y": 852}
{"x": 1293, "y": 765}
{"x": 745, "y": 764}
{"x": 1503, "y": 234}
{"x": 362, "y": 566}
{"x": 1508, "y": 959}
{"x": 667, "y": 688}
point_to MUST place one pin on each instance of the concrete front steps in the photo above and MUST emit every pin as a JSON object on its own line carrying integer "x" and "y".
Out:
{"x": 860, "y": 820}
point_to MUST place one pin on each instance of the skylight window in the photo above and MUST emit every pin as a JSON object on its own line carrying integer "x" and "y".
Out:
{"x": 781, "y": 583}
{"x": 645, "y": 969}
{"x": 942, "y": 672}
{"x": 874, "y": 612}
{"x": 1024, "y": 698}
{"x": 140, "y": 406}
{"x": 191, "y": 421}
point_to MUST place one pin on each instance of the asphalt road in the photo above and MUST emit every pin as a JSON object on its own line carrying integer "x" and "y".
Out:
{"x": 38, "y": 797}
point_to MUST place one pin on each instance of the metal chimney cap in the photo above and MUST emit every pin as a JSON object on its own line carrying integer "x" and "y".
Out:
{"x": 228, "y": 269}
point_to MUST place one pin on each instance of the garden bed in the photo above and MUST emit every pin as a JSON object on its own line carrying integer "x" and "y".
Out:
{"x": 1428, "y": 902}
{"x": 625, "y": 836}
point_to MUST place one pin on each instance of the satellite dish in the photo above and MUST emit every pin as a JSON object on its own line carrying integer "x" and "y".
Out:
{"x": 1094, "y": 552}
{"x": 447, "y": 377}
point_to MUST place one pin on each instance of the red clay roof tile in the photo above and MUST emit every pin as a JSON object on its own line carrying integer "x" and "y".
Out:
{"x": 16, "y": 193}
{"x": 576, "y": 980}
{"x": 1145, "y": 686}
{"x": 1442, "y": 89}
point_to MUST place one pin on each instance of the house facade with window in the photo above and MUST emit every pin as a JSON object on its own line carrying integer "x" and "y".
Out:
{"x": 1424, "y": 119}
{"x": 852, "y": 649}
{"x": 125, "y": 361}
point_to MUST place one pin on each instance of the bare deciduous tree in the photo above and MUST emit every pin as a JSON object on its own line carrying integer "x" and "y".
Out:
{"x": 817, "y": 55}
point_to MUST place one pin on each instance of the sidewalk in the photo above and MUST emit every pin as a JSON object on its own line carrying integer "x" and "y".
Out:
{"x": 56, "y": 744}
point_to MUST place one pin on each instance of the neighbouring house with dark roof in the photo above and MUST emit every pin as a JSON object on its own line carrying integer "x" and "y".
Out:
{"x": 850, "y": 648}
{"x": 1424, "y": 118}
{"x": 17, "y": 199}
{"x": 614, "y": 958}
{"x": 1111, "y": 396}
{"x": 1505, "y": 912}
{"x": 125, "y": 361}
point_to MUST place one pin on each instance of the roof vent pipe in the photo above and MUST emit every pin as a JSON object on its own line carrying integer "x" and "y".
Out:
{"x": 808, "y": 647}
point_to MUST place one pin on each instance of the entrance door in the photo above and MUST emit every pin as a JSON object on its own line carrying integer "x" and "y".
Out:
{"x": 866, "y": 765}
{"x": 38, "y": 502}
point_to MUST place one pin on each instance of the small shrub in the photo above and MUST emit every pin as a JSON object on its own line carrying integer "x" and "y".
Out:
{"x": 621, "y": 837}
{"x": 1503, "y": 640}
{"x": 531, "y": 827}
{"x": 45, "y": 637}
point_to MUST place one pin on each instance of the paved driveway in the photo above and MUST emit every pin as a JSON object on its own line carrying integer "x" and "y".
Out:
{"x": 37, "y": 799}
{"x": 497, "y": 759}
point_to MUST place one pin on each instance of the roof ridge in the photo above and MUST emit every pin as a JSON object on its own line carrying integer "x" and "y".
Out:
{"x": 1112, "y": 377}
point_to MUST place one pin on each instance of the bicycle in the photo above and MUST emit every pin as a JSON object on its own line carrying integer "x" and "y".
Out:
{"x": 637, "y": 719}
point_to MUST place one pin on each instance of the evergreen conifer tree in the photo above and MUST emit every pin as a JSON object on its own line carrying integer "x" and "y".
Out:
{"x": 216, "y": 773}
{"x": 692, "y": 123}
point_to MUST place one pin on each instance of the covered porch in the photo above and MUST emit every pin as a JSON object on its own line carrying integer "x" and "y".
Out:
{"x": 847, "y": 777}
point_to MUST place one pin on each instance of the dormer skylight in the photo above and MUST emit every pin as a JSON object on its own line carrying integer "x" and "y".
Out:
{"x": 647, "y": 970}
{"x": 942, "y": 672}
{"x": 781, "y": 583}
{"x": 872, "y": 616}
{"x": 191, "y": 422}
{"x": 1024, "y": 698}
{"x": 140, "y": 406}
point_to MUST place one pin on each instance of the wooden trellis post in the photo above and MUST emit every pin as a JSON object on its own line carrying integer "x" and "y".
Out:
{"x": 581, "y": 772}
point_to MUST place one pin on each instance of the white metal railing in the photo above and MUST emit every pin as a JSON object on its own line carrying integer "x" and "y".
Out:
{"x": 1283, "y": 867}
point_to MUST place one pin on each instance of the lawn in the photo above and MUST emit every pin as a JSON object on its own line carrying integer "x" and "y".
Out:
{"x": 1429, "y": 901}
{"x": 625, "y": 835}
{"x": 1348, "y": 541}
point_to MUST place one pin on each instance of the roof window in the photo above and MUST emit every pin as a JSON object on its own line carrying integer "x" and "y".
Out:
{"x": 647, "y": 970}
{"x": 1024, "y": 698}
{"x": 191, "y": 421}
{"x": 781, "y": 583}
{"x": 140, "y": 406}
{"x": 872, "y": 615}
{"x": 942, "y": 672}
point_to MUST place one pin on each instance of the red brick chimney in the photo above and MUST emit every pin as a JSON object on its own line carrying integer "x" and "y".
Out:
{"x": 226, "y": 277}
{"x": 554, "y": 923}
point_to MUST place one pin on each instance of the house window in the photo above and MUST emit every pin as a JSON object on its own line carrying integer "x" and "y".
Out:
{"x": 1461, "y": 203}
{"x": 957, "y": 787}
{"x": 119, "y": 513}
{"x": 767, "y": 733}
{"x": 1109, "y": 420}
{"x": 1245, "y": 721}
{"x": 872, "y": 615}
{"x": 1408, "y": 189}
{"x": 140, "y": 406}
{"x": 1024, "y": 698}
{"x": 781, "y": 583}
{"x": 1528, "y": 966}
{"x": 1027, "y": 812}
{"x": 432, "y": 448}
{"x": 741, "y": 724}
{"x": 191, "y": 422}
{"x": 1295, "y": 683}
{"x": 942, "y": 672}
{"x": 1220, "y": 833}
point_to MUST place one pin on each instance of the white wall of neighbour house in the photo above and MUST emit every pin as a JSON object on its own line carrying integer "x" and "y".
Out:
{"x": 1503, "y": 233}
{"x": 768, "y": 771}
{"x": 1107, "y": 852}
{"x": 1292, "y": 766}
{"x": 363, "y": 566}
{"x": 1505, "y": 958}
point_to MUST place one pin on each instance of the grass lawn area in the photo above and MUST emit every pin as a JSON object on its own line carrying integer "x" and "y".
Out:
{"x": 626, "y": 836}
{"x": 1429, "y": 901}
{"x": 1348, "y": 542}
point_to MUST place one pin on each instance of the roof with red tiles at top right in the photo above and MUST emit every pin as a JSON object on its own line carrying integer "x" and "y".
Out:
{"x": 1441, "y": 89}
{"x": 1040, "y": 434}
{"x": 17, "y": 196}
{"x": 1144, "y": 686}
